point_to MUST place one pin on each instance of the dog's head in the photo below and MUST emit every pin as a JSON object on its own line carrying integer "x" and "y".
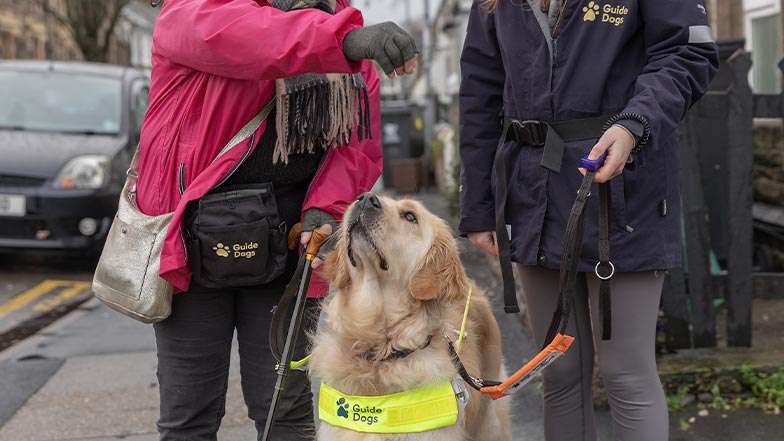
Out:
{"x": 400, "y": 244}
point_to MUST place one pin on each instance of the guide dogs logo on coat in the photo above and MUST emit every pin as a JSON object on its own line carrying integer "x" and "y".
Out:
{"x": 607, "y": 13}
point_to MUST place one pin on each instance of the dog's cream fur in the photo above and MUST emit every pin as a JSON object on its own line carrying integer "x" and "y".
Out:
{"x": 376, "y": 310}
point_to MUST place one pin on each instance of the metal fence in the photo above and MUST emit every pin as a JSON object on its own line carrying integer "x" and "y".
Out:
{"x": 716, "y": 178}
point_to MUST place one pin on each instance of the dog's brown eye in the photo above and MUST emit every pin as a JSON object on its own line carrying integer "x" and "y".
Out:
{"x": 411, "y": 217}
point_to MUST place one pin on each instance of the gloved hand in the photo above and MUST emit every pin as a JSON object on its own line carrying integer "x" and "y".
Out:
{"x": 386, "y": 43}
{"x": 313, "y": 219}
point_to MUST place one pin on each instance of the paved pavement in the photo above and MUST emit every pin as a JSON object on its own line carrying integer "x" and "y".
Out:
{"x": 91, "y": 376}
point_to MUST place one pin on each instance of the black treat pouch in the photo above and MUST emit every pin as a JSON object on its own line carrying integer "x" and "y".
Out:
{"x": 235, "y": 237}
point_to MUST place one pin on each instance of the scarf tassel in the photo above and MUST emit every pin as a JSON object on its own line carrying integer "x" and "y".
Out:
{"x": 320, "y": 111}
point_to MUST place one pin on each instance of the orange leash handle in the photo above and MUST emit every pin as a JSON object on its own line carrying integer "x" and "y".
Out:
{"x": 522, "y": 377}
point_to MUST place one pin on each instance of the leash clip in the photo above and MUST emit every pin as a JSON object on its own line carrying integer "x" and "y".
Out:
{"x": 612, "y": 271}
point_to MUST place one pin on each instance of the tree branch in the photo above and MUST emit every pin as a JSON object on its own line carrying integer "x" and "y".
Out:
{"x": 119, "y": 5}
{"x": 55, "y": 14}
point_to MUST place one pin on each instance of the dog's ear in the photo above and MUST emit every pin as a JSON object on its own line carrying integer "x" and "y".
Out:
{"x": 441, "y": 273}
{"x": 336, "y": 266}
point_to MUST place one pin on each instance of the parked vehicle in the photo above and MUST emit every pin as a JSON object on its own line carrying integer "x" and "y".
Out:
{"x": 67, "y": 135}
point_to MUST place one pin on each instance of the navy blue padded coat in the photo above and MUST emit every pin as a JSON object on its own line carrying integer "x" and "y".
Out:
{"x": 655, "y": 58}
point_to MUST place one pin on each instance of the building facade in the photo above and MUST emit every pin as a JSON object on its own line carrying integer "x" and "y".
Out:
{"x": 28, "y": 30}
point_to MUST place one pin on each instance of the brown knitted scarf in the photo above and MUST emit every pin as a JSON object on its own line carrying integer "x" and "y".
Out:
{"x": 318, "y": 110}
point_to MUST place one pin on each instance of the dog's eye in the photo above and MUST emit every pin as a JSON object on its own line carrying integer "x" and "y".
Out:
{"x": 411, "y": 217}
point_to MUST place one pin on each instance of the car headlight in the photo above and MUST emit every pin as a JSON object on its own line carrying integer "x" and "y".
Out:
{"x": 84, "y": 172}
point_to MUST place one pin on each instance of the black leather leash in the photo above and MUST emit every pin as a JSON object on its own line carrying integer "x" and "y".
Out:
{"x": 572, "y": 249}
{"x": 283, "y": 311}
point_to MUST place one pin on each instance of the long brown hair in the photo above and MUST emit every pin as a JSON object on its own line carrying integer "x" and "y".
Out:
{"x": 490, "y": 5}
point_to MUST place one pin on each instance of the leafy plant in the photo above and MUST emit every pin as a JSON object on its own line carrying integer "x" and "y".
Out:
{"x": 719, "y": 402}
{"x": 767, "y": 388}
{"x": 675, "y": 400}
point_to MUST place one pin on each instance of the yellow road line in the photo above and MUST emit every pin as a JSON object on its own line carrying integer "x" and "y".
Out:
{"x": 27, "y": 297}
{"x": 47, "y": 305}
{"x": 43, "y": 288}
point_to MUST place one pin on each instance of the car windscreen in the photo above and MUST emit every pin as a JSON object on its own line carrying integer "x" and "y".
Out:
{"x": 60, "y": 102}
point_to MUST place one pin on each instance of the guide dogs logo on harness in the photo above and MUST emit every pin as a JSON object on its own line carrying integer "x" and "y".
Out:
{"x": 605, "y": 13}
{"x": 368, "y": 414}
{"x": 246, "y": 250}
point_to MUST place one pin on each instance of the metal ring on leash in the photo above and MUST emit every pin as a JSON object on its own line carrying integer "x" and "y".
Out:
{"x": 612, "y": 271}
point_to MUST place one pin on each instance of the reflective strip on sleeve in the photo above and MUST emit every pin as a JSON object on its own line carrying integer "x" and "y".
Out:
{"x": 700, "y": 35}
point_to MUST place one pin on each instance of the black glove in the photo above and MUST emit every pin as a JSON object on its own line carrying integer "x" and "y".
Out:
{"x": 386, "y": 43}
{"x": 315, "y": 218}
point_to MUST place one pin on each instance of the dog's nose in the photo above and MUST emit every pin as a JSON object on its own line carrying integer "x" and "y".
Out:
{"x": 369, "y": 201}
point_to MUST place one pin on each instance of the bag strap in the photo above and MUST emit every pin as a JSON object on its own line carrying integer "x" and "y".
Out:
{"x": 248, "y": 129}
{"x": 244, "y": 133}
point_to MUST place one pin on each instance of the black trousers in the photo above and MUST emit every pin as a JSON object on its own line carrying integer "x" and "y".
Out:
{"x": 194, "y": 346}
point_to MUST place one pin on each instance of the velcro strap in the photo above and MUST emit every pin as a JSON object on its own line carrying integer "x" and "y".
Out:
{"x": 502, "y": 236}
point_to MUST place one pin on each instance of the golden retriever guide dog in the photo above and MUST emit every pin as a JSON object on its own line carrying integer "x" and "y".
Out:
{"x": 399, "y": 290}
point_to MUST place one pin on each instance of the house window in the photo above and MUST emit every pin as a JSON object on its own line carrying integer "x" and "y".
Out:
{"x": 766, "y": 35}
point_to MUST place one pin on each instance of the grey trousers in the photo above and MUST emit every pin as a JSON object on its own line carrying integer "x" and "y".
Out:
{"x": 627, "y": 362}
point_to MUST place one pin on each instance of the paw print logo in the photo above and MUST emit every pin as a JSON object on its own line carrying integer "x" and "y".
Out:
{"x": 221, "y": 250}
{"x": 342, "y": 408}
{"x": 590, "y": 11}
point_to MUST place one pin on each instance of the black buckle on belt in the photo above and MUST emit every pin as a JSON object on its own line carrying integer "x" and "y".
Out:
{"x": 531, "y": 133}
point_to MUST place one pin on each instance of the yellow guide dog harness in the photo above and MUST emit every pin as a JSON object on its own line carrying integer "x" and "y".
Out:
{"x": 417, "y": 410}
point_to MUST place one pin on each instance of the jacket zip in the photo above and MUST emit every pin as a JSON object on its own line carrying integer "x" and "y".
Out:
{"x": 182, "y": 179}
{"x": 318, "y": 170}
{"x": 181, "y": 184}
{"x": 553, "y": 65}
{"x": 556, "y": 34}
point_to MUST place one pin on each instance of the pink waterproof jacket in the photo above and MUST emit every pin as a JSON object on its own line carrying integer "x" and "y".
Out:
{"x": 214, "y": 63}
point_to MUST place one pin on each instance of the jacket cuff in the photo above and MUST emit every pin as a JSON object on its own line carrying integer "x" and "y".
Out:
{"x": 634, "y": 127}
{"x": 356, "y": 66}
{"x": 477, "y": 223}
